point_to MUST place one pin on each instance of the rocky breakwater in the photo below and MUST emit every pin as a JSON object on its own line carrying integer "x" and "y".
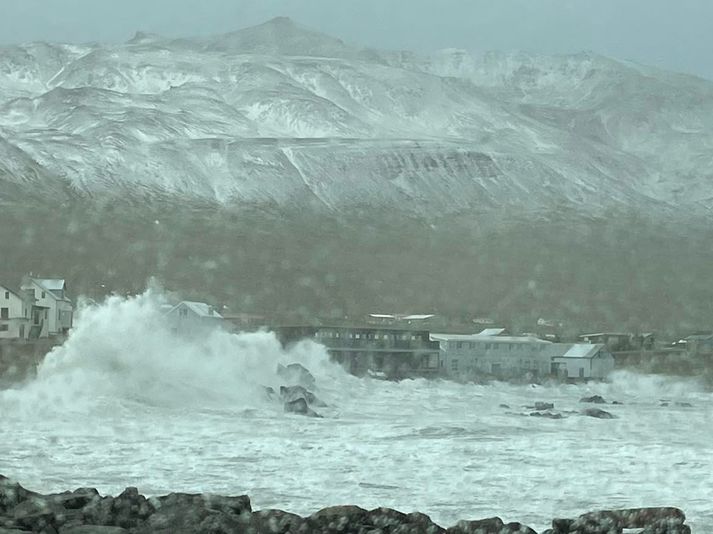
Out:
{"x": 85, "y": 511}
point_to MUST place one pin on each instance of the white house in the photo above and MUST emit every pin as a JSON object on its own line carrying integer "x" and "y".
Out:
{"x": 584, "y": 360}
{"x": 20, "y": 316}
{"x": 50, "y": 294}
{"x": 492, "y": 354}
{"x": 190, "y": 317}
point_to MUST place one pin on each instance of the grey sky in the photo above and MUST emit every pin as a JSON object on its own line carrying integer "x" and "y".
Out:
{"x": 670, "y": 34}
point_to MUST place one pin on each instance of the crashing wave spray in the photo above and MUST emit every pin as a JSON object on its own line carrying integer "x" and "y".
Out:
{"x": 123, "y": 350}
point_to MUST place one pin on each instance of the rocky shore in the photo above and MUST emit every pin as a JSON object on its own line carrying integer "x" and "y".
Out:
{"x": 85, "y": 511}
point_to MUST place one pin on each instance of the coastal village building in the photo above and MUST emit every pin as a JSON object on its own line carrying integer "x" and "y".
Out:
{"x": 15, "y": 313}
{"x": 699, "y": 344}
{"x": 192, "y": 317}
{"x": 491, "y": 354}
{"x": 384, "y": 351}
{"x": 52, "y": 308}
{"x": 39, "y": 308}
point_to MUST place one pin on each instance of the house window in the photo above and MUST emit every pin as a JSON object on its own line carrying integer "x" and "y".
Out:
{"x": 7, "y": 295}
{"x": 4, "y": 328}
{"x": 4, "y": 313}
{"x": 459, "y": 345}
{"x": 454, "y": 365}
{"x": 487, "y": 346}
{"x": 43, "y": 294}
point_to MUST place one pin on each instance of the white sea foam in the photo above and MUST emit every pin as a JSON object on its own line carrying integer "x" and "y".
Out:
{"x": 124, "y": 350}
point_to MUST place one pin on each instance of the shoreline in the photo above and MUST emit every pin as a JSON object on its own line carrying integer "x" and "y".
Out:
{"x": 85, "y": 511}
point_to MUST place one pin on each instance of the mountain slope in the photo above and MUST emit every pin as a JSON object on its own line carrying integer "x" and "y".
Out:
{"x": 279, "y": 169}
{"x": 233, "y": 119}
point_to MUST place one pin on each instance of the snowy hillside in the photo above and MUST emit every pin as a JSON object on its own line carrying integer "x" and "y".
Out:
{"x": 282, "y": 115}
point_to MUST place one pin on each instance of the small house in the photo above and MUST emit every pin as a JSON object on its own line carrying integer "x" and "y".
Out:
{"x": 190, "y": 317}
{"x": 49, "y": 294}
{"x": 583, "y": 361}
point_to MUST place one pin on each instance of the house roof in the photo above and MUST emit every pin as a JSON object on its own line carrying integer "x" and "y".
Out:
{"x": 13, "y": 290}
{"x": 606, "y": 334}
{"x": 407, "y": 317}
{"x": 201, "y": 309}
{"x": 492, "y": 332}
{"x": 582, "y": 350}
{"x": 491, "y": 339}
{"x": 699, "y": 337}
{"x": 49, "y": 285}
{"x": 52, "y": 284}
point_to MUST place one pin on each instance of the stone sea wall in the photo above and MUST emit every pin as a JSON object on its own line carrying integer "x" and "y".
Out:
{"x": 85, "y": 511}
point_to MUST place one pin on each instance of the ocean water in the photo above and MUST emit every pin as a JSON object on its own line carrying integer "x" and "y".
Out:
{"x": 126, "y": 403}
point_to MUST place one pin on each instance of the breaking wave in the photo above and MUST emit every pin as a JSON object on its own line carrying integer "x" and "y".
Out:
{"x": 123, "y": 351}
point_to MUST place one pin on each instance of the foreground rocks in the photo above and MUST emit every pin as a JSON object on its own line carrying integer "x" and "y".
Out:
{"x": 85, "y": 511}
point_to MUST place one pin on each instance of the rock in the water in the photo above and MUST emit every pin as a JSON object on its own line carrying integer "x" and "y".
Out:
{"x": 684, "y": 404}
{"x": 269, "y": 392}
{"x": 595, "y": 399}
{"x": 547, "y": 414}
{"x": 599, "y": 414}
{"x": 296, "y": 374}
{"x": 301, "y": 407}
{"x": 504, "y": 406}
{"x": 290, "y": 393}
{"x": 542, "y": 406}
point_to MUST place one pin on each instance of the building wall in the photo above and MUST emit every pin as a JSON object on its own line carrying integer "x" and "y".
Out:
{"x": 575, "y": 367}
{"x": 603, "y": 364}
{"x": 506, "y": 359}
{"x": 184, "y": 320}
{"x": 17, "y": 314}
{"x": 46, "y": 299}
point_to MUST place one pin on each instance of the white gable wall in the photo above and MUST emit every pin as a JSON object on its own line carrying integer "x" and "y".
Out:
{"x": 17, "y": 323}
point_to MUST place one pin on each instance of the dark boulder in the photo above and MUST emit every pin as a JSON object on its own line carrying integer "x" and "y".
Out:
{"x": 395, "y": 522}
{"x": 643, "y": 517}
{"x": 92, "y": 529}
{"x": 344, "y": 519}
{"x": 603, "y": 522}
{"x": 542, "y": 406}
{"x": 290, "y": 393}
{"x": 492, "y": 525}
{"x": 504, "y": 406}
{"x": 179, "y": 513}
{"x": 684, "y": 404}
{"x": 296, "y": 374}
{"x": 595, "y": 399}
{"x": 300, "y": 406}
{"x": 36, "y": 514}
{"x": 599, "y": 414}
{"x": 127, "y": 510}
{"x": 12, "y": 494}
{"x": 548, "y": 415}
{"x": 276, "y": 522}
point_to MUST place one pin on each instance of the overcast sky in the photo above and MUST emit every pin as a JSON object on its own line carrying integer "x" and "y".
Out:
{"x": 673, "y": 34}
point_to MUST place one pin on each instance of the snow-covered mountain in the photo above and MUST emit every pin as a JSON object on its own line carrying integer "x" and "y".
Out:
{"x": 285, "y": 116}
